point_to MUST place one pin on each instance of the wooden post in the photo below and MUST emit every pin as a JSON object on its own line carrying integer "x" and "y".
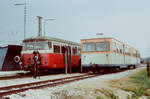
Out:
{"x": 148, "y": 69}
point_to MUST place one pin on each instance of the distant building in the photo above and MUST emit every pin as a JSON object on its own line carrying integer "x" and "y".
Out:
{"x": 7, "y": 55}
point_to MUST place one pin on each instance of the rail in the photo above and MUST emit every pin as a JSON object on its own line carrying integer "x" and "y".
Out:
{"x": 42, "y": 84}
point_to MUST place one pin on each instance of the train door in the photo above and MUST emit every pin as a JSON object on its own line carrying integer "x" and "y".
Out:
{"x": 136, "y": 57}
{"x": 67, "y": 58}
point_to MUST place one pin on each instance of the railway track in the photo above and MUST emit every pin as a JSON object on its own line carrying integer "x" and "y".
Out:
{"x": 15, "y": 76}
{"x": 42, "y": 84}
{"x": 26, "y": 75}
{"x": 22, "y": 75}
{"x": 47, "y": 83}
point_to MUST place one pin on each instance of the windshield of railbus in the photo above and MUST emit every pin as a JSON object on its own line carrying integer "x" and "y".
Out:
{"x": 96, "y": 46}
{"x": 36, "y": 45}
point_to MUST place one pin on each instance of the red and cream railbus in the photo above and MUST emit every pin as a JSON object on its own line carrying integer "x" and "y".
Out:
{"x": 48, "y": 53}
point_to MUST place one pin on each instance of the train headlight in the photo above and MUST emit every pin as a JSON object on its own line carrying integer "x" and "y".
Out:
{"x": 17, "y": 59}
{"x": 20, "y": 63}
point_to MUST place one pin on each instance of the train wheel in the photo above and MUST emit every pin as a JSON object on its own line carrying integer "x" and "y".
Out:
{"x": 101, "y": 71}
{"x": 94, "y": 68}
{"x": 129, "y": 67}
{"x": 134, "y": 66}
{"x": 117, "y": 68}
{"x": 94, "y": 71}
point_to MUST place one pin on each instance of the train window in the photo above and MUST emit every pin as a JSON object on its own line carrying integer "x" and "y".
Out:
{"x": 39, "y": 45}
{"x": 117, "y": 50}
{"x": 138, "y": 55}
{"x": 29, "y": 46}
{"x": 49, "y": 44}
{"x": 63, "y": 49}
{"x": 127, "y": 51}
{"x": 135, "y": 55}
{"x": 102, "y": 46}
{"x": 56, "y": 49}
{"x": 69, "y": 50}
{"x": 74, "y": 50}
{"x": 114, "y": 47}
{"x": 88, "y": 47}
{"x": 121, "y": 51}
{"x": 79, "y": 51}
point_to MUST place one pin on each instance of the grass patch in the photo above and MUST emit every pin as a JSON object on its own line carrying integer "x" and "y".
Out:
{"x": 138, "y": 84}
{"x": 129, "y": 97}
{"x": 142, "y": 80}
{"x": 107, "y": 93}
{"x": 142, "y": 84}
{"x": 99, "y": 97}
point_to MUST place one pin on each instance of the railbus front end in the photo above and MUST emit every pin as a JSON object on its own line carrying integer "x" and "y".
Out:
{"x": 95, "y": 53}
{"x": 47, "y": 53}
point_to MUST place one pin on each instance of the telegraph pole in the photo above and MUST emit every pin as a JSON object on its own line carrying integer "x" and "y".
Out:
{"x": 39, "y": 25}
{"x": 25, "y": 15}
{"x": 25, "y": 18}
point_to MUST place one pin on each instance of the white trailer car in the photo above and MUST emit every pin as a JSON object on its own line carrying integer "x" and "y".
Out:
{"x": 106, "y": 53}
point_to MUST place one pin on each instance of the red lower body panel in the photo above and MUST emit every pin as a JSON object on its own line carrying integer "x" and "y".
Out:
{"x": 52, "y": 60}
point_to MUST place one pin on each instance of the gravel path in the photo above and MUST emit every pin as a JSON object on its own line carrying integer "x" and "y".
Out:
{"x": 4, "y": 83}
{"x": 84, "y": 89}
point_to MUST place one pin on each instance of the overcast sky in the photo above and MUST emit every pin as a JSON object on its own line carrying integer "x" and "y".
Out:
{"x": 125, "y": 20}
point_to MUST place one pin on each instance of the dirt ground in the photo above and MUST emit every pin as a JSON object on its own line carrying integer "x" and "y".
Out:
{"x": 101, "y": 87}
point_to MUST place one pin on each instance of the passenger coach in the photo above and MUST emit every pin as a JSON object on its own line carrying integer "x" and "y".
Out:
{"x": 48, "y": 53}
{"x": 107, "y": 53}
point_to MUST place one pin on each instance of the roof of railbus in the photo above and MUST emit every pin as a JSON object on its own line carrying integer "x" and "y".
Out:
{"x": 97, "y": 38}
{"x": 109, "y": 38}
{"x": 46, "y": 38}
